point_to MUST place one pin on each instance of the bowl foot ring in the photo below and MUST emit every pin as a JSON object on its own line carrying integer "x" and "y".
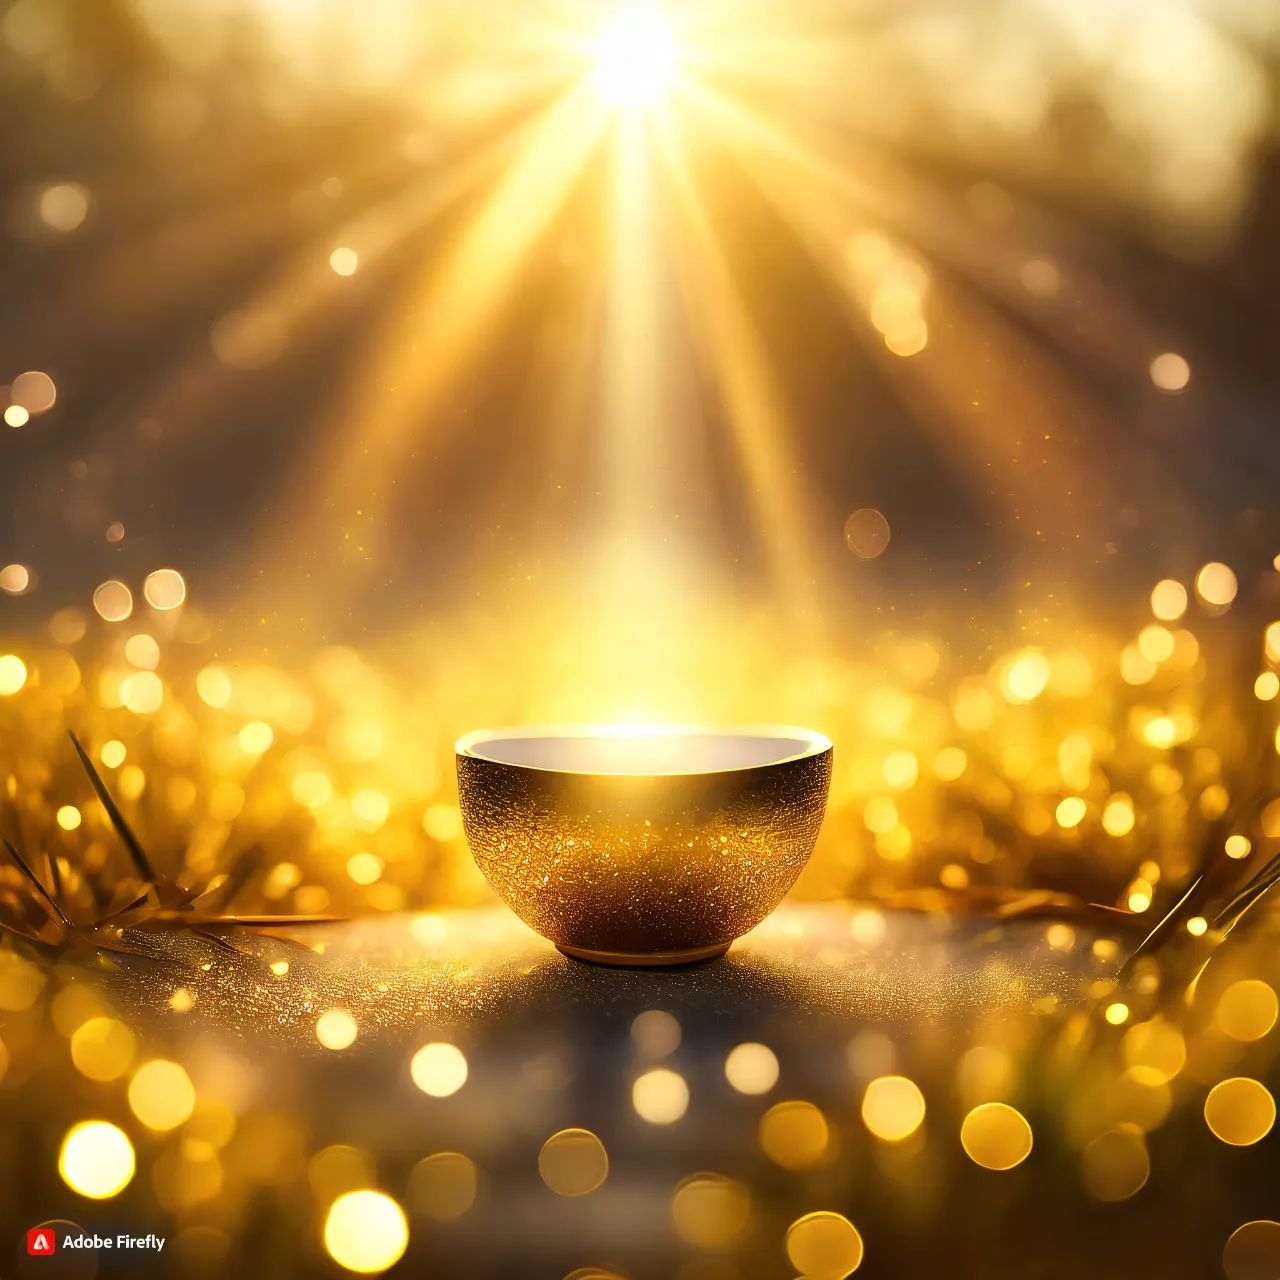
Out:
{"x": 643, "y": 959}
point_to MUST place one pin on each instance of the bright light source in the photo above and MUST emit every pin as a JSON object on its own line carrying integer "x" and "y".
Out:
{"x": 635, "y": 59}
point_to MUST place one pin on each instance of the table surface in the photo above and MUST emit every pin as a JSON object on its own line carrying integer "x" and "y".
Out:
{"x": 549, "y": 1045}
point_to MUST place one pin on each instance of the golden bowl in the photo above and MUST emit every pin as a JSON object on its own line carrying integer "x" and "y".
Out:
{"x": 642, "y": 848}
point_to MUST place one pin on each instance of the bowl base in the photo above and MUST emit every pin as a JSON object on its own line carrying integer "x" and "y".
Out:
{"x": 643, "y": 959}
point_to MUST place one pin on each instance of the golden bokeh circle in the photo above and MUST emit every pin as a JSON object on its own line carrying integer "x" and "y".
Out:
{"x": 336, "y": 1029}
{"x": 13, "y": 674}
{"x": 794, "y": 1134}
{"x": 1253, "y": 1251}
{"x": 1169, "y": 600}
{"x": 1247, "y": 1010}
{"x": 113, "y": 601}
{"x": 709, "y": 1210}
{"x": 996, "y": 1136}
{"x": 34, "y": 391}
{"x": 443, "y": 1185}
{"x": 866, "y": 532}
{"x": 1216, "y": 585}
{"x": 439, "y": 1069}
{"x": 161, "y": 1094}
{"x": 102, "y": 1048}
{"x": 165, "y": 589}
{"x": 1115, "y": 1165}
{"x": 1240, "y": 1111}
{"x": 365, "y": 1231}
{"x": 1170, "y": 372}
{"x": 336, "y": 1169}
{"x": 96, "y": 1159}
{"x": 655, "y": 1033}
{"x": 1156, "y": 1046}
{"x": 824, "y": 1246}
{"x": 660, "y": 1096}
{"x": 573, "y": 1162}
{"x": 893, "y": 1107}
{"x": 751, "y": 1068}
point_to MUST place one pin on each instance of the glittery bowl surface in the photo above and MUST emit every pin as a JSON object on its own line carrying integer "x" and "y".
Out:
{"x": 654, "y": 848}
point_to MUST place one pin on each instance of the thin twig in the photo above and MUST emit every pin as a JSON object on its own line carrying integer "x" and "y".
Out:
{"x": 136, "y": 851}
{"x": 44, "y": 893}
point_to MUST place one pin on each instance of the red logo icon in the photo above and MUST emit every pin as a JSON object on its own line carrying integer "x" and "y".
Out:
{"x": 41, "y": 1240}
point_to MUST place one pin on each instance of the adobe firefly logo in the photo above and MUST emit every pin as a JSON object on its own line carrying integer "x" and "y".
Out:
{"x": 41, "y": 1240}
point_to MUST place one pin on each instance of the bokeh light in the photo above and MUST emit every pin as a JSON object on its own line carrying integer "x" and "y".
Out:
{"x": 443, "y": 1186}
{"x": 1237, "y": 846}
{"x": 824, "y": 1246}
{"x": 161, "y": 1094}
{"x": 751, "y": 1068}
{"x": 214, "y": 687}
{"x": 64, "y": 206}
{"x": 337, "y": 1169}
{"x": 1247, "y": 1010}
{"x": 96, "y": 1159}
{"x": 1169, "y": 600}
{"x": 573, "y": 1162}
{"x": 34, "y": 392}
{"x": 655, "y": 1033}
{"x": 893, "y": 1108}
{"x": 344, "y": 261}
{"x": 365, "y": 1231}
{"x": 1240, "y": 1111}
{"x": 866, "y": 532}
{"x": 1070, "y": 812}
{"x": 113, "y": 601}
{"x": 710, "y": 1210}
{"x": 795, "y": 1135}
{"x": 1025, "y": 678}
{"x": 102, "y": 1048}
{"x": 13, "y": 674}
{"x": 255, "y": 738}
{"x": 165, "y": 589}
{"x": 660, "y": 1096}
{"x": 1253, "y": 1251}
{"x": 439, "y": 1069}
{"x": 142, "y": 692}
{"x": 21, "y": 982}
{"x": 15, "y": 579}
{"x": 143, "y": 652}
{"x": 336, "y": 1029}
{"x": 1115, "y": 1165}
{"x": 1216, "y": 585}
{"x": 1170, "y": 372}
{"x": 365, "y": 868}
{"x": 996, "y": 1136}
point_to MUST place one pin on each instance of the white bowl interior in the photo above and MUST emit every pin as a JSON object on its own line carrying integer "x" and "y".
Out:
{"x": 646, "y": 754}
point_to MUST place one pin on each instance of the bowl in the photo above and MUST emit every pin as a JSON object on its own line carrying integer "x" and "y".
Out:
{"x": 642, "y": 848}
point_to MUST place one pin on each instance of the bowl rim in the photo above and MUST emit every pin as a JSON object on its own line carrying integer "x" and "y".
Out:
{"x": 816, "y": 744}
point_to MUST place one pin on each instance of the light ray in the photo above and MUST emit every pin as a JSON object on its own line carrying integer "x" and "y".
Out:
{"x": 993, "y": 402}
{"x": 447, "y": 325}
{"x": 753, "y": 403}
{"x": 633, "y": 339}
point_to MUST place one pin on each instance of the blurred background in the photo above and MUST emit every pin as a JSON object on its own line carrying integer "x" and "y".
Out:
{"x": 619, "y": 364}
{"x": 371, "y": 374}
